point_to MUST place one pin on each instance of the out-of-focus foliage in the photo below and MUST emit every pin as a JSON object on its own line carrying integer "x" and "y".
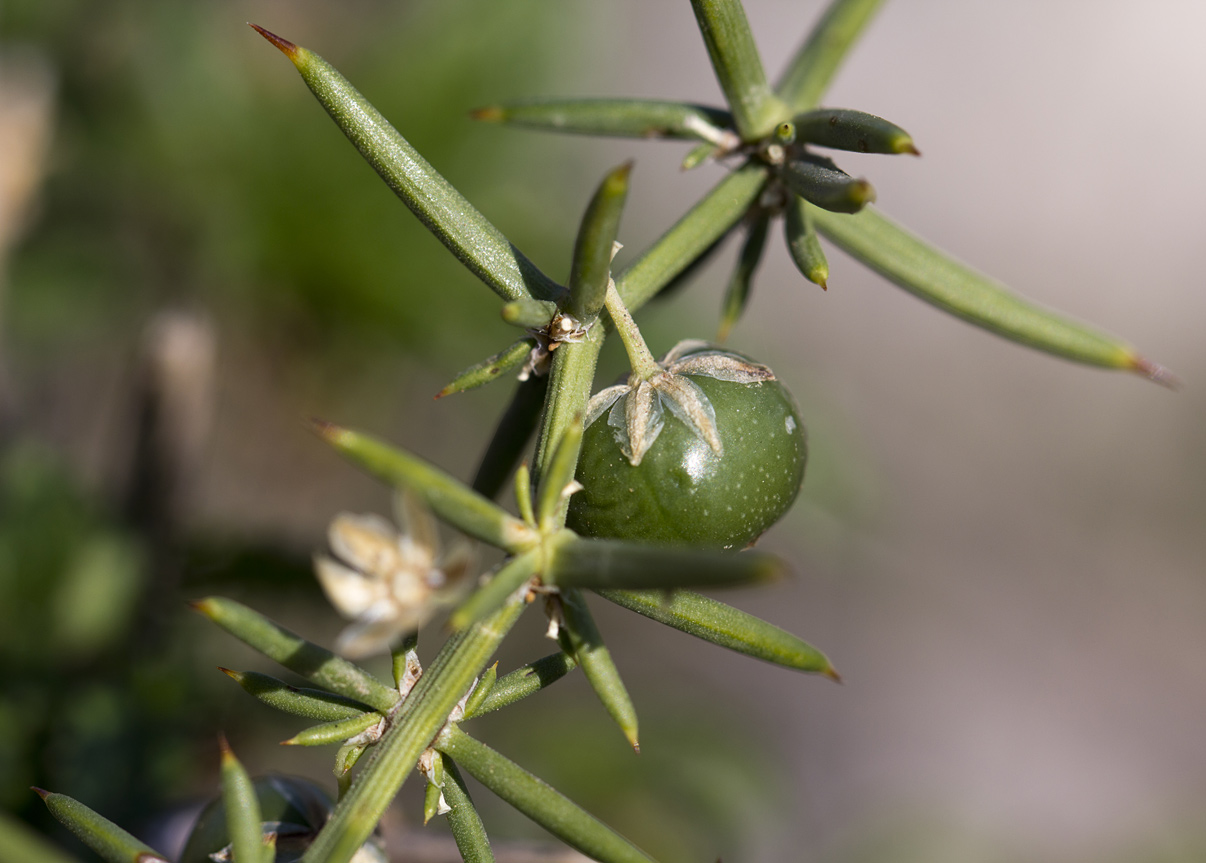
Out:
{"x": 75, "y": 578}
{"x": 695, "y": 794}
{"x": 176, "y": 174}
{"x": 109, "y": 686}
{"x": 75, "y": 705}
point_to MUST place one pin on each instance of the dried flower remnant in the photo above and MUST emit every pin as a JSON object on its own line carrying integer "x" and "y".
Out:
{"x": 635, "y": 408}
{"x": 563, "y": 328}
{"x": 388, "y": 583}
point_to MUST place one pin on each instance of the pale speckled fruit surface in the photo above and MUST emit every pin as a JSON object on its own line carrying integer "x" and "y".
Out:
{"x": 682, "y": 493}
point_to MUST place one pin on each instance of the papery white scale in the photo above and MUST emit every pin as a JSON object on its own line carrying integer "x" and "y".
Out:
{"x": 636, "y": 414}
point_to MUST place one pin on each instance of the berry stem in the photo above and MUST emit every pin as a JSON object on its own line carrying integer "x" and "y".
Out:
{"x": 644, "y": 366}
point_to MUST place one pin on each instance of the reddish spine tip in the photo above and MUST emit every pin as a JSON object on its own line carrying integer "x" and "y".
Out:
{"x": 41, "y": 792}
{"x": 832, "y": 674}
{"x": 490, "y": 114}
{"x": 224, "y": 746}
{"x": 636, "y": 747}
{"x": 323, "y": 428}
{"x": 1156, "y": 372}
{"x": 286, "y": 47}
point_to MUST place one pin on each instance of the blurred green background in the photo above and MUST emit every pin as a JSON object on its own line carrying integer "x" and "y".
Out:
{"x": 1002, "y": 552}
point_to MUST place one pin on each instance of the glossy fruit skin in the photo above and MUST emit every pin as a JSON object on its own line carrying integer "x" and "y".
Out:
{"x": 682, "y": 493}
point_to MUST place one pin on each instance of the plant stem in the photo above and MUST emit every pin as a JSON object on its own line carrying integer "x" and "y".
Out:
{"x": 738, "y": 66}
{"x": 570, "y": 381}
{"x": 573, "y": 369}
{"x": 412, "y": 728}
{"x": 810, "y": 71}
{"x": 690, "y": 236}
{"x": 644, "y": 366}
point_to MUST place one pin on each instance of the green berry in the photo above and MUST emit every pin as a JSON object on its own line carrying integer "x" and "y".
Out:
{"x": 682, "y": 492}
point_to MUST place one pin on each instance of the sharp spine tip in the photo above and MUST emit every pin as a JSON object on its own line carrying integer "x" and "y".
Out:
{"x": 324, "y": 428}
{"x": 286, "y": 47}
{"x": 41, "y": 792}
{"x": 491, "y": 114}
{"x": 1156, "y": 373}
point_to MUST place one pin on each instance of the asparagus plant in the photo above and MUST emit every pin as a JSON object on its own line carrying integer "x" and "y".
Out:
{"x": 664, "y": 478}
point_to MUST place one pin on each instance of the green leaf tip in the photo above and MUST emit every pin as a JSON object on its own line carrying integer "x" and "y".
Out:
{"x": 110, "y": 842}
{"x": 580, "y": 636}
{"x": 697, "y": 155}
{"x": 243, "y": 816}
{"x": 723, "y": 625}
{"x": 803, "y": 245}
{"x": 539, "y": 801}
{"x": 341, "y": 731}
{"x": 932, "y": 276}
{"x": 617, "y": 181}
{"x": 491, "y": 368}
{"x": 857, "y": 131}
{"x": 293, "y": 52}
{"x": 448, "y": 498}
{"x": 309, "y": 660}
{"x": 528, "y": 312}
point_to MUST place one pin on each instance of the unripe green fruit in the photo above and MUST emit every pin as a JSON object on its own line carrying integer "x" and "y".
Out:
{"x": 682, "y": 492}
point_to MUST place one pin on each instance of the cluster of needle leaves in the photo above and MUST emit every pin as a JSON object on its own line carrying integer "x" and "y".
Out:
{"x": 767, "y": 137}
